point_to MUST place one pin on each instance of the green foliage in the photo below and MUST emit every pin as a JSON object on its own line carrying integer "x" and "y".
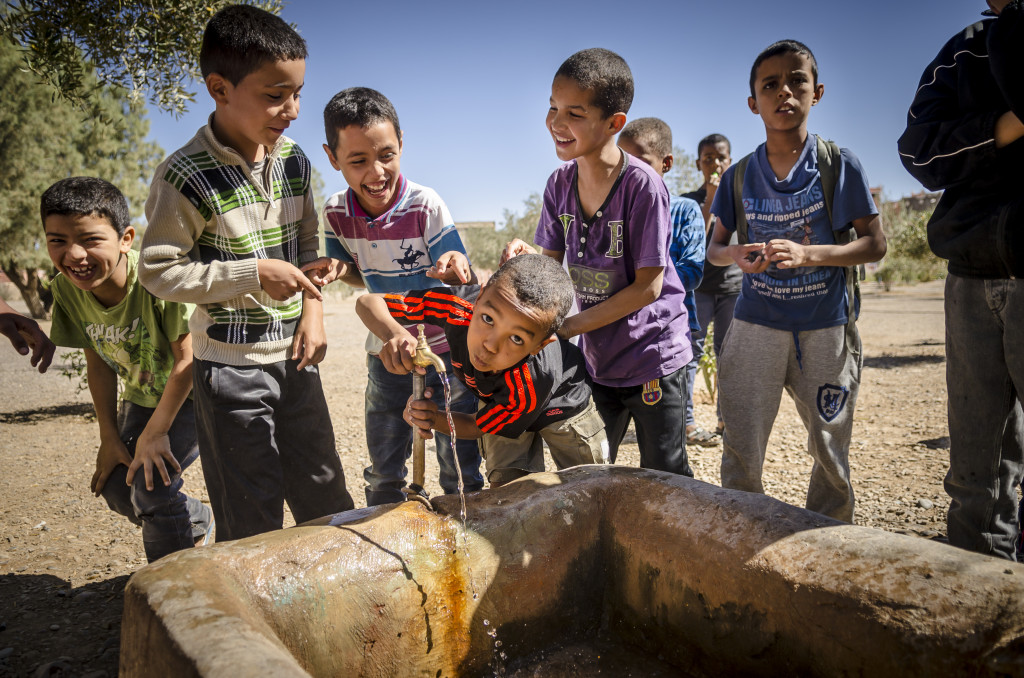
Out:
{"x": 684, "y": 176}
{"x": 909, "y": 259}
{"x": 141, "y": 46}
{"x": 484, "y": 245}
{"x": 42, "y": 140}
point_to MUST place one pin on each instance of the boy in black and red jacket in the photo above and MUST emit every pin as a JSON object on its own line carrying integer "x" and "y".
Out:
{"x": 533, "y": 387}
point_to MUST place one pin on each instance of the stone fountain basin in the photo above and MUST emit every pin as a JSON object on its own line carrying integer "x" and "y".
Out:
{"x": 711, "y": 581}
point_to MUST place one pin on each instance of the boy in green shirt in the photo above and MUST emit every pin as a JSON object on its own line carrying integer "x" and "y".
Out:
{"x": 126, "y": 333}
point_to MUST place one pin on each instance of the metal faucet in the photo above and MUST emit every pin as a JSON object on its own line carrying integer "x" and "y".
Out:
{"x": 423, "y": 357}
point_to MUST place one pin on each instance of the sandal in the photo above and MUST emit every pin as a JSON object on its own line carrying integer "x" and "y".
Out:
{"x": 701, "y": 438}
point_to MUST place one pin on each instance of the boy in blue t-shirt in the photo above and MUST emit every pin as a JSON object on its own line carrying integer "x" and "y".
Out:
{"x": 149, "y": 438}
{"x": 386, "y": 233}
{"x": 790, "y": 330}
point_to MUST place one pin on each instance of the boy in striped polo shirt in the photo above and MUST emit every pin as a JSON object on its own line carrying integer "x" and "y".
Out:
{"x": 533, "y": 387}
{"x": 231, "y": 217}
{"x": 386, "y": 233}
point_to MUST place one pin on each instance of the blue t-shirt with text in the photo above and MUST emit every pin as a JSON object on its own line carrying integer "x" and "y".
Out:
{"x": 793, "y": 208}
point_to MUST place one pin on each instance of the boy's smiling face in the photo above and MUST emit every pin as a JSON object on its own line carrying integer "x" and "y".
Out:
{"x": 370, "y": 160}
{"x": 503, "y": 331}
{"x": 255, "y": 113}
{"x": 88, "y": 251}
{"x": 578, "y": 127}
{"x": 785, "y": 91}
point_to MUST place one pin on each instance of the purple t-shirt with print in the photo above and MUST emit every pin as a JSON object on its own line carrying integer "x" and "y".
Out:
{"x": 630, "y": 231}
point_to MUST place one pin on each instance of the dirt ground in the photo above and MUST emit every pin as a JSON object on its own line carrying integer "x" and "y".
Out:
{"x": 65, "y": 558}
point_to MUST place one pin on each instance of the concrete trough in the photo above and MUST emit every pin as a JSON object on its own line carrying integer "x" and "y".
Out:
{"x": 701, "y": 580}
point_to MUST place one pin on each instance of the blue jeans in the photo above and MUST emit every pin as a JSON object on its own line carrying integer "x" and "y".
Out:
{"x": 170, "y": 520}
{"x": 984, "y": 381}
{"x": 389, "y": 437}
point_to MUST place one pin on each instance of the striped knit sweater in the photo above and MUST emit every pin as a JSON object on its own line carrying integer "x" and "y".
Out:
{"x": 210, "y": 220}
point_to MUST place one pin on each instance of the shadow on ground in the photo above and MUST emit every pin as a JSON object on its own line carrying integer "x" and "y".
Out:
{"x": 44, "y": 413}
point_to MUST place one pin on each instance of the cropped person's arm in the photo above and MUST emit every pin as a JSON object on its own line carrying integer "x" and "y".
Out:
{"x": 153, "y": 449}
{"x": 25, "y": 335}
{"x": 645, "y": 288}
{"x": 103, "y": 389}
{"x": 944, "y": 143}
{"x": 399, "y": 344}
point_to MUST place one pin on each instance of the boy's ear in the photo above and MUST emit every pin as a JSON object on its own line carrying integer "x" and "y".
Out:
{"x": 217, "y": 86}
{"x": 666, "y": 164}
{"x": 330, "y": 156}
{"x": 543, "y": 344}
{"x": 127, "y": 239}
{"x": 616, "y": 121}
{"x": 752, "y": 103}
{"x": 819, "y": 91}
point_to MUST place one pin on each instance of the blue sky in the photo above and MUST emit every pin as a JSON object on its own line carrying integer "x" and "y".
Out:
{"x": 471, "y": 80}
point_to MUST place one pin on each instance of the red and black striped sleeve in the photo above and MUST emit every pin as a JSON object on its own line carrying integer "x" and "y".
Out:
{"x": 516, "y": 407}
{"x": 437, "y": 306}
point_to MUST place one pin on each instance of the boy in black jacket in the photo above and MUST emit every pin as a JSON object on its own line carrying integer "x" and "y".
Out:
{"x": 964, "y": 136}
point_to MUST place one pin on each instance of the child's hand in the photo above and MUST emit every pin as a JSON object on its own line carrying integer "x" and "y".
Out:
{"x": 786, "y": 253}
{"x": 25, "y": 334}
{"x": 397, "y": 353}
{"x": 111, "y": 454}
{"x": 281, "y": 280}
{"x": 152, "y": 451}
{"x": 421, "y": 413}
{"x": 309, "y": 346}
{"x": 712, "y": 187}
{"x": 515, "y": 248}
{"x": 750, "y": 258}
{"x": 324, "y": 270}
{"x": 452, "y": 268}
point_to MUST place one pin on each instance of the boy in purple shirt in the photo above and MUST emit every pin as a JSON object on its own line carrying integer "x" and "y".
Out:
{"x": 607, "y": 215}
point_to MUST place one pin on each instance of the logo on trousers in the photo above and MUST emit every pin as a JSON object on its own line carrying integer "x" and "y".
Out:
{"x": 652, "y": 392}
{"x": 831, "y": 400}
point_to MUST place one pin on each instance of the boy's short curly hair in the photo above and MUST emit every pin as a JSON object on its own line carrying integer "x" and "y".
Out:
{"x": 86, "y": 196}
{"x": 604, "y": 73}
{"x": 239, "y": 39}
{"x": 360, "y": 106}
{"x": 783, "y": 47}
{"x": 713, "y": 140}
{"x": 654, "y": 131}
{"x": 539, "y": 282}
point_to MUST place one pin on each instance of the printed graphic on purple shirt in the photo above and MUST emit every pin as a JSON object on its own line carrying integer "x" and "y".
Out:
{"x": 630, "y": 231}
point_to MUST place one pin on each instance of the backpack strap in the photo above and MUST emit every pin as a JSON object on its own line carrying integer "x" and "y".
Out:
{"x": 739, "y": 214}
{"x": 829, "y": 162}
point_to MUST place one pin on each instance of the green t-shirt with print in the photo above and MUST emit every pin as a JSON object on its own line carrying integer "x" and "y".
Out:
{"x": 133, "y": 337}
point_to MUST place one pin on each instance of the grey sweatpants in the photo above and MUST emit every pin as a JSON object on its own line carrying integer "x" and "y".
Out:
{"x": 759, "y": 362}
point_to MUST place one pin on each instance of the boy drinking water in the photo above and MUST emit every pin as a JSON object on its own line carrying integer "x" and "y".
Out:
{"x": 606, "y": 214}
{"x": 388, "y": 233}
{"x": 532, "y": 386}
{"x": 794, "y": 327}
{"x": 127, "y": 334}
{"x": 231, "y": 217}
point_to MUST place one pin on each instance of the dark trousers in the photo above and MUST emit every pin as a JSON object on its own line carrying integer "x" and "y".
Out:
{"x": 266, "y": 437}
{"x": 657, "y": 408}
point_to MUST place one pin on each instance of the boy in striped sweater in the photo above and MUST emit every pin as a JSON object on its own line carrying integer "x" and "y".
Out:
{"x": 533, "y": 387}
{"x": 231, "y": 217}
